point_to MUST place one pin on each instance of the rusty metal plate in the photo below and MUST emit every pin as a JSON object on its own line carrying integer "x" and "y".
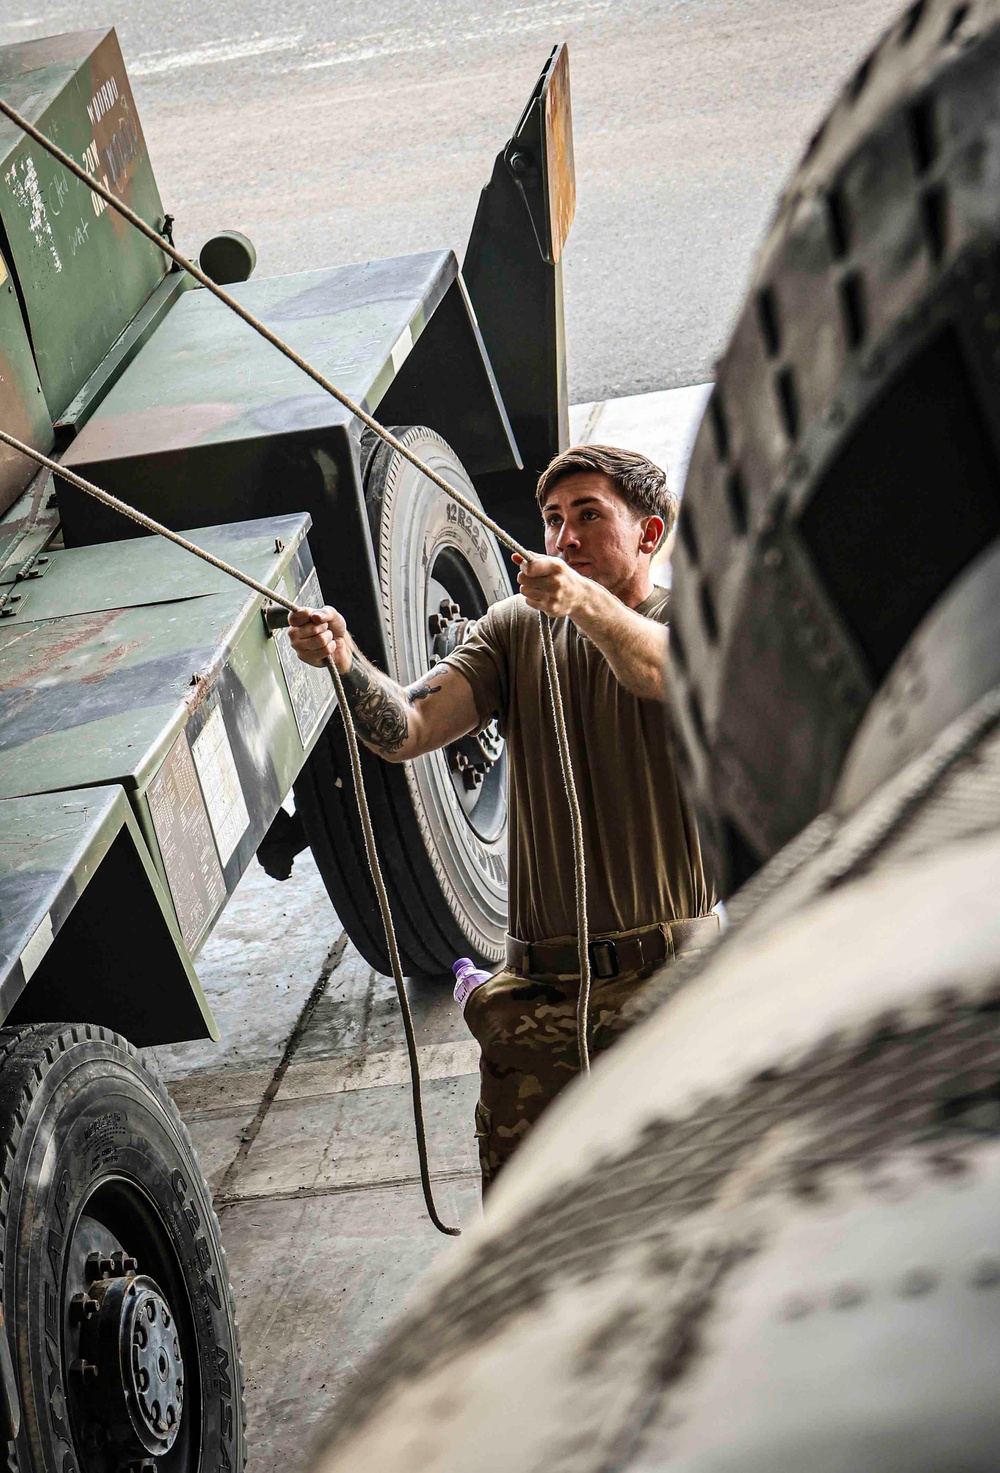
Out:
{"x": 560, "y": 170}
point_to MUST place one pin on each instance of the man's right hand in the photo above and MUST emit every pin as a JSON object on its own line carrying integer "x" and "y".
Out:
{"x": 317, "y": 633}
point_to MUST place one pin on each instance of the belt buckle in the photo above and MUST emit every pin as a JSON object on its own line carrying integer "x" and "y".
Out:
{"x": 608, "y": 965}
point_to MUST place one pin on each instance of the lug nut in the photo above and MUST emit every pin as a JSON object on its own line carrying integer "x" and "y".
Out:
{"x": 99, "y": 1266}
{"x": 434, "y": 623}
{"x": 139, "y": 1337}
{"x": 124, "y": 1263}
{"x": 142, "y": 1378}
{"x": 83, "y": 1307}
{"x": 85, "y": 1370}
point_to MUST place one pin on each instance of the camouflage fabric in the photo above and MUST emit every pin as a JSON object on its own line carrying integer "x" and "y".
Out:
{"x": 526, "y": 1029}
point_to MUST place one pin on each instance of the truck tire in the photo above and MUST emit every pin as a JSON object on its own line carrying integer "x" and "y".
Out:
{"x": 442, "y": 834}
{"x": 116, "y": 1293}
{"x": 845, "y": 473}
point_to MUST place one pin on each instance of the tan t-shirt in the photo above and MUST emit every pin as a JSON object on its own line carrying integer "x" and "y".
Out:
{"x": 643, "y": 856}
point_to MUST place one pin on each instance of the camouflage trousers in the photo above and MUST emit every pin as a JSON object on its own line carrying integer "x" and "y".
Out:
{"x": 526, "y": 1031}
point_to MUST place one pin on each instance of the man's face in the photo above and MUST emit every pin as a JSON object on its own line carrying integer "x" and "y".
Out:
{"x": 591, "y": 528}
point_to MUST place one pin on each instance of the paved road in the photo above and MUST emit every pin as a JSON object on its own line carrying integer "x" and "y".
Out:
{"x": 344, "y": 130}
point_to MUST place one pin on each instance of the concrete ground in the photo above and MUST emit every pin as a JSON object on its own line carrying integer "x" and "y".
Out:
{"x": 301, "y": 1118}
{"x": 301, "y": 1115}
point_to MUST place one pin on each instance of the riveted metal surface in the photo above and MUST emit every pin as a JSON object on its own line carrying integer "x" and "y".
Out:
{"x": 851, "y": 435}
{"x": 951, "y": 662}
{"x": 81, "y": 271}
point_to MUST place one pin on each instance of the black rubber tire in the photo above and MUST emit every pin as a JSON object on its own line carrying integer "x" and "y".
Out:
{"x": 447, "y": 885}
{"x": 847, "y": 467}
{"x": 89, "y": 1135}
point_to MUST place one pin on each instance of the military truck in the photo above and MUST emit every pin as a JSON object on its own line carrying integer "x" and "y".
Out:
{"x": 153, "y": 722}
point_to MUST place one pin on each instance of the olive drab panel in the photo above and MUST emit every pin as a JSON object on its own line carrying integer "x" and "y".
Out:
{"x": 80, "y": 270}
{"x": 54, "y": 848}
{"x": 160, "y": 676}
{"x": 513, "y": 271}
{"x": 23, "y": 410}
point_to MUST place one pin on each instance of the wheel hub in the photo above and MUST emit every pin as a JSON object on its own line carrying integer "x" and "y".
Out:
{"x": 471, "y": 757}
{"x": 129, "y": 1379}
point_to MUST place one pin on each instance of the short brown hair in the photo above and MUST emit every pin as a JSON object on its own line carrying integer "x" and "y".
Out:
{"x": 639, "y": 483}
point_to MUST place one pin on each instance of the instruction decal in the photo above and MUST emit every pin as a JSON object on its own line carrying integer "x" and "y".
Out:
{"x": 184, "y": 834}
{"x": 310, "y": 690}
{"x": 220, "y": 785}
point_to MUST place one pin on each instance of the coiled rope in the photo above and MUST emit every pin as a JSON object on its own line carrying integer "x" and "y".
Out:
{"x": 151, "y": 525}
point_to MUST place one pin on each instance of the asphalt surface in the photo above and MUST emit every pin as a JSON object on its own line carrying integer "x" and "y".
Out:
{"x": 346, "y": 130}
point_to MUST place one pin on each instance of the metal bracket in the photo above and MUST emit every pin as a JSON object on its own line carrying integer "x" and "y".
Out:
{"x": 275, "y": 618}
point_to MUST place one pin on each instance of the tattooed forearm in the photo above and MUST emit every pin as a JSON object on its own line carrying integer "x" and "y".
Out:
{"x": 420, "y": 690}
{"x": 380, "y": 707}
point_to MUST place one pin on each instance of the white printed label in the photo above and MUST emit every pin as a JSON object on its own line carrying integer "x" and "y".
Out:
{"x": 310, "y": 689}
{"x": 36, "y": 948}
{"x": 220, "y": 784}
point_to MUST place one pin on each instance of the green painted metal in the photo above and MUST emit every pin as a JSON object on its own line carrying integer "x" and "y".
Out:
{"x": 124, "y": 349}
{"x": 81, "y": 270}
{"x": 26, "y": 529}
{"x": 207, "y": 379}
{"x": 81, "y": 905}
{"x": 136, "y": 664}
{"x": 23, "y": 411}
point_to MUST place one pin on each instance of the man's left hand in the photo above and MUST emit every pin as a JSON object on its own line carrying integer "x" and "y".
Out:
{"x": 551, "y": 586}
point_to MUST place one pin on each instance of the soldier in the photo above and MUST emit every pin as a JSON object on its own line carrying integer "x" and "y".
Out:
{"x": 606, "y": 511}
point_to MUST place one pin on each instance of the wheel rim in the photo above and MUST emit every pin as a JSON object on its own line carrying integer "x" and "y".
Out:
{"x": 128, "y": 1337}
{"x": 477, "y": 765}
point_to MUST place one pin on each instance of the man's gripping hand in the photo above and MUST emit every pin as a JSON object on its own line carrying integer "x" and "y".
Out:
{"x": 551, "y": 586}
{"x": 317, "y": 633}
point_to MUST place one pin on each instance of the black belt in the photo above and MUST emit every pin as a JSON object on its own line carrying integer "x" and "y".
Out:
{"x": 626, "y": 951}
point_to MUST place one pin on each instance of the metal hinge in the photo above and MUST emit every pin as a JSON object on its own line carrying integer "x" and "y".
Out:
{"x": 34, "y": 566}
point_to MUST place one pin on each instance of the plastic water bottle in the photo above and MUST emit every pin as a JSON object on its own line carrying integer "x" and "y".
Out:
{"x": 467, "y": 979}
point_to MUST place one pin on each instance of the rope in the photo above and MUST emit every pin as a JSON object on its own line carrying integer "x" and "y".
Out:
{"x": 551, "y": 668}
{"x": 579, "y": 858}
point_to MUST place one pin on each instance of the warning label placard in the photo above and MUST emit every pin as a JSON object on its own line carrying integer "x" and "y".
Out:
{"x": 187, "y": 847}
{"x": 311, "y": 690}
